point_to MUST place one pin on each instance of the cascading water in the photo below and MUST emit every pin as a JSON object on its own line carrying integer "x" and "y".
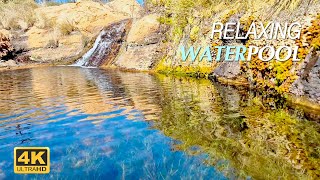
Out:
{"x": 106, "y": 46}
{"x": 84, "y": 59}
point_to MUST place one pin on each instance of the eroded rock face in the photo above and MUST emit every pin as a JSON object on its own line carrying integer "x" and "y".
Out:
{"x": 138, "y": 57}
{"x": 107, "y": 45}
{"x": 308, "y": 83}
{"x": 144, "y": 30}
{"x": 87, "y": 16}
{"x": 229, "y": 70}
{"x": 9, "y": 63}
{"x": 6, "y": 49}
{"x": 46, "y": 42}
{"x": 140, "y": 52}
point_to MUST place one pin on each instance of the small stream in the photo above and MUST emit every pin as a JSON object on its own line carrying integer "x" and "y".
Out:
{"x": 106, "y": 46}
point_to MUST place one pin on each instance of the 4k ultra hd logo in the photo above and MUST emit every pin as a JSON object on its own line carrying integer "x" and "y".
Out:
{"x": 31, "y": 160}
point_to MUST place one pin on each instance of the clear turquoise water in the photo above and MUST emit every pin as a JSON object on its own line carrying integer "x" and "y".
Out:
{"x": 98, "y": 124}
{"x": 107, "y": 124}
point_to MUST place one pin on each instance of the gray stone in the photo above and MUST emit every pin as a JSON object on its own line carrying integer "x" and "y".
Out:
{"x": 229, "y": 70}
{"x": 9, "y": 63}
{"x": 308, "y": 83}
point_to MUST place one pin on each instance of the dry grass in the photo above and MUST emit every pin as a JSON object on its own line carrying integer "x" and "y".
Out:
{"x": 42, "y": 22}
{"x": 67, "y": 27}
{"x": 17, "y": 14}
{"x": 20, "y": 15}
{"x": 85, "y": 40}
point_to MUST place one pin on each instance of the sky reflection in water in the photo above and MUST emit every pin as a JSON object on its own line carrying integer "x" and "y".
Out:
{"x": 98, "y": 124}
{"x": 111, "y": 124}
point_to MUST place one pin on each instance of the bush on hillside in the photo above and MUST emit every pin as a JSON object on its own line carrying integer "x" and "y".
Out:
{"x": 17, "y": 14}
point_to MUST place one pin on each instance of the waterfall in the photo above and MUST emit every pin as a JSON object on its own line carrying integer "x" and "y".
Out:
{"x": 84, "y": 59}
{"x": 106, "y": 46}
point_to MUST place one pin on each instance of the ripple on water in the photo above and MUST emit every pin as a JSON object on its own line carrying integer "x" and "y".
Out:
{"x": 105, "y": 123}
{"x": 94, "y": 121}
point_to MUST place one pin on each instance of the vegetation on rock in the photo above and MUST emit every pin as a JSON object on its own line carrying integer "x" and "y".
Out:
{"x": 189, "y": 23}
{"x": 60, "y": 33}
{"x": 242, "y": 138}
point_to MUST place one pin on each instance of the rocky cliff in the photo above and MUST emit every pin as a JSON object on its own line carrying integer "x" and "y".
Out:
{"x": 66, "y": 33}
{"x": 62, "y": 34}
{"x": 91, "y": 34}
{"x": 190, "y": 23}
{"x": 140, "y": 51}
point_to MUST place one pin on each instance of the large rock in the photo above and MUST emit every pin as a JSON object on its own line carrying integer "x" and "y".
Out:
{"x": 47, "y": 46}
{"x": 144, "y": 29}
{"x": 308, "y": 83}
{"x": 138, "y": 57}
{"x": 228, "y": 70}
{"x": 107, "y": 45}
{"x": 87, "y": 16}
{"x": 9, "y": 63}
{"x": 6, "y": 49}
{"x": 140, "y": 52}
{"x": 47, "y": 41}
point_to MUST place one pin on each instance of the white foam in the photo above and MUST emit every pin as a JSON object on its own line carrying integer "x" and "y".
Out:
{"x": 84, "y": 59}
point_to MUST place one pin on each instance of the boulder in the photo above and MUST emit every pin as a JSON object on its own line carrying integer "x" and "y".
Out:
{"x": 6, "y": 49}
{"x": 138, "y": 57}
{"x": 228, "y": 70}
{"x": 308, "y": 83}
{"x": 144, "y": 29}
{"x": 62, "y": 32}
{"x": 107, "y": 45}
{"x": 9, "y": 63}
{"x": 87, "y": 16}
{"x": 140, "y": 52}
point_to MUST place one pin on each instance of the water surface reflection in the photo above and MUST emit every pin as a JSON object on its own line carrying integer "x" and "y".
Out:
{"x": 105, "y": 123}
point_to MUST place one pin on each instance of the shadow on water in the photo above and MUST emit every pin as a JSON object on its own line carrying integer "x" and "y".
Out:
{"x": 105, "y": 123}
{"x": 242, "y": 137}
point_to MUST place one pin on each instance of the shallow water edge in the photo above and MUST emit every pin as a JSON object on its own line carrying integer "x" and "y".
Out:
{"x": 110, "y": 116}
